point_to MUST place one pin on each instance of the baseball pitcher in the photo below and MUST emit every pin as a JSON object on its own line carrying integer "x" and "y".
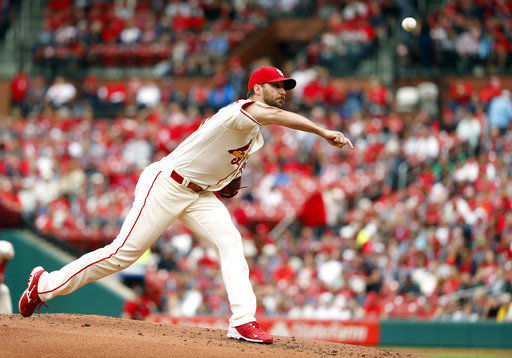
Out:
{"x": 181, "y": 187}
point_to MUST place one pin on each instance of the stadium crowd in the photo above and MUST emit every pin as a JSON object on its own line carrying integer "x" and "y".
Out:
{"x": 365, "y": 239}
{"x": 179, "y": 37}
{"x": 184, "y": 37}
{"x": 351, "y": 33}
{"x": 461, "y": 36}
{"x": 191, "y": 37}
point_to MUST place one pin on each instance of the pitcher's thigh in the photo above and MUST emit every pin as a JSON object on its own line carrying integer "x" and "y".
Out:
{"x": 153, "y": 211}
{"x": 210, "y": 220}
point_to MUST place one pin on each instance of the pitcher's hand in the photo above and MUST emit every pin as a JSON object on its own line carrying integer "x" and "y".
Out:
{"x": 337, "y": 139}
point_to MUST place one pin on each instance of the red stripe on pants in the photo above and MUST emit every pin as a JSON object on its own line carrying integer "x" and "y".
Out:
{"x": 106, "y": 258}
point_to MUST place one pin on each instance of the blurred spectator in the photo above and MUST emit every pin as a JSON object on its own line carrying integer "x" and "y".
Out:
{"x": 500, "y": 112}
{"x": 409, "y": 287}
{"x": 124, "y": 9}
{"x": 60, "y": 93}
{"x": 461, "y": 93}
{"x": 90, "y": 92}
{"x": 65, "y": 33}
{"x": 303, "y": 75}
{"x": 35, "y": 97}
{"x": 407, "y": 99}
{"x": 491, "y": 308}
{"x": 313, "y": 93}
{"x": 131, "y": 34}
{"x": 491, "y": 90}
{"x": 137, "y": 151}
{"x": 426, "y": 46}
{"x": 45, "y": 35}
{"x": 505, "y": 311}
{"x": 112, "y": 97}
{"x": 422, "y": 145}
{"x": 377, "y": 97}
{"x": 469, "y": 129}
{"x": 222, "y": 93}
{"x": 216, "y": 44}
{"x": 236, "y": 75}
{"x": 148, "y": 95}
{"x": 19, "y": 88}
{"x": 428, "y": 96}
{"x": 467, "y": 44}
{"x": 140, "y": 307}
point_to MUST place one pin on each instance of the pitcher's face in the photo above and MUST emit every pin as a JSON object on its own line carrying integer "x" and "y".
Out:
{"x": 274, "y": 94}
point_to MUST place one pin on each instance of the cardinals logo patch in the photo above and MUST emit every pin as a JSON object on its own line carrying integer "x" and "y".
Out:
{"x": 239, "y": 153}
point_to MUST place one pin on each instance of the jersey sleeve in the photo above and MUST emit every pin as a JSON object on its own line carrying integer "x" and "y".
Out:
{"x": 243, "y": 120}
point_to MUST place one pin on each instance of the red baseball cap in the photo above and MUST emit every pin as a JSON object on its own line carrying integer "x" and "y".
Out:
{"x": 269, "y": 75}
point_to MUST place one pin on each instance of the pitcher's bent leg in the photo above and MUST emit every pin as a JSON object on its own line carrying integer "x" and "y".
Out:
{"x": 209, "y": 219}
{"x": 148, "y": 218}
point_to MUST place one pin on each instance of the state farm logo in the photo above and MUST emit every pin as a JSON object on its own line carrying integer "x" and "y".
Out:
{"x": 335, "y": 332}
{"x": 239, "y": 153}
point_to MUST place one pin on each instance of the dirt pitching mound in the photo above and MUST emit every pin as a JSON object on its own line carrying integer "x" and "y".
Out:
{"x": 65, "y": 335}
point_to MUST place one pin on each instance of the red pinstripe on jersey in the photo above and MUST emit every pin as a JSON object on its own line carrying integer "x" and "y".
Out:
{"x": 245, "y": 113}
{"x": 250, "y": 117}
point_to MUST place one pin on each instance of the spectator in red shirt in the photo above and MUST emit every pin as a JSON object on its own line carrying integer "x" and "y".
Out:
{"x": 140, "y": 307}
{"x": 314, "y": 92}
{"x": 371, "y": 306}
{"x": 112, "y": 96}
{"x": 19, "y": 88}
{"x": 377, "y": 97}
{"x": 334, "y": 95}
{"x": 284, "y": 272}
{"x": 491, "y": 90}
{"x": 461, "y": 94}
{"x": 59, "y": 5}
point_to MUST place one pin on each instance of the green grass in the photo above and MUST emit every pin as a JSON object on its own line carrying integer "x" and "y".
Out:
{"x": 465, "y": 355}
{"x": 447, "y": 352}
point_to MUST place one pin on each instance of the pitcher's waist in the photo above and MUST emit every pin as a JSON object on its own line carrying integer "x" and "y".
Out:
{"x": 184, "y": 181}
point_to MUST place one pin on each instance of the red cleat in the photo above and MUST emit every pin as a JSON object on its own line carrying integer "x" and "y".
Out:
{"x": 251, "y": 332}
{"x": 30, "y": 300}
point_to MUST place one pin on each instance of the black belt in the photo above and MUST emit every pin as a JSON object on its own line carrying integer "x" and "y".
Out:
{"x": 179, "y": 179}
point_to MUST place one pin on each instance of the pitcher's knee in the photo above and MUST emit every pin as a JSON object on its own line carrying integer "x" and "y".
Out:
{"x": 231, "y": 249}
{"x": 235, "y": 256}
{"x": 121, "y": 262}
{"x": 229, "y": 239}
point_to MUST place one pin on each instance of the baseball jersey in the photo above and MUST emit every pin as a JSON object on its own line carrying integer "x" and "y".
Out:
{"x": 218, "y": 150}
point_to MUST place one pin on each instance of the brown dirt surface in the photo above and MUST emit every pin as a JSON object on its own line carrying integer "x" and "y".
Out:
{"x": 72, "y": 335}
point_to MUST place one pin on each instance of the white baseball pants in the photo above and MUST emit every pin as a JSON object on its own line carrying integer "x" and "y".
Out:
{"x": 5, "y": 299}
{"x": 159, "y": 200}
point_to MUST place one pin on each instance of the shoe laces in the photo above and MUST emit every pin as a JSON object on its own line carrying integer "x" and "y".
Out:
{"x": 41, "y": 304}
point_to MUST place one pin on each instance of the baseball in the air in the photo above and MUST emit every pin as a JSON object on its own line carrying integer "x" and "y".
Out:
{"x": 408, "y": 24}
